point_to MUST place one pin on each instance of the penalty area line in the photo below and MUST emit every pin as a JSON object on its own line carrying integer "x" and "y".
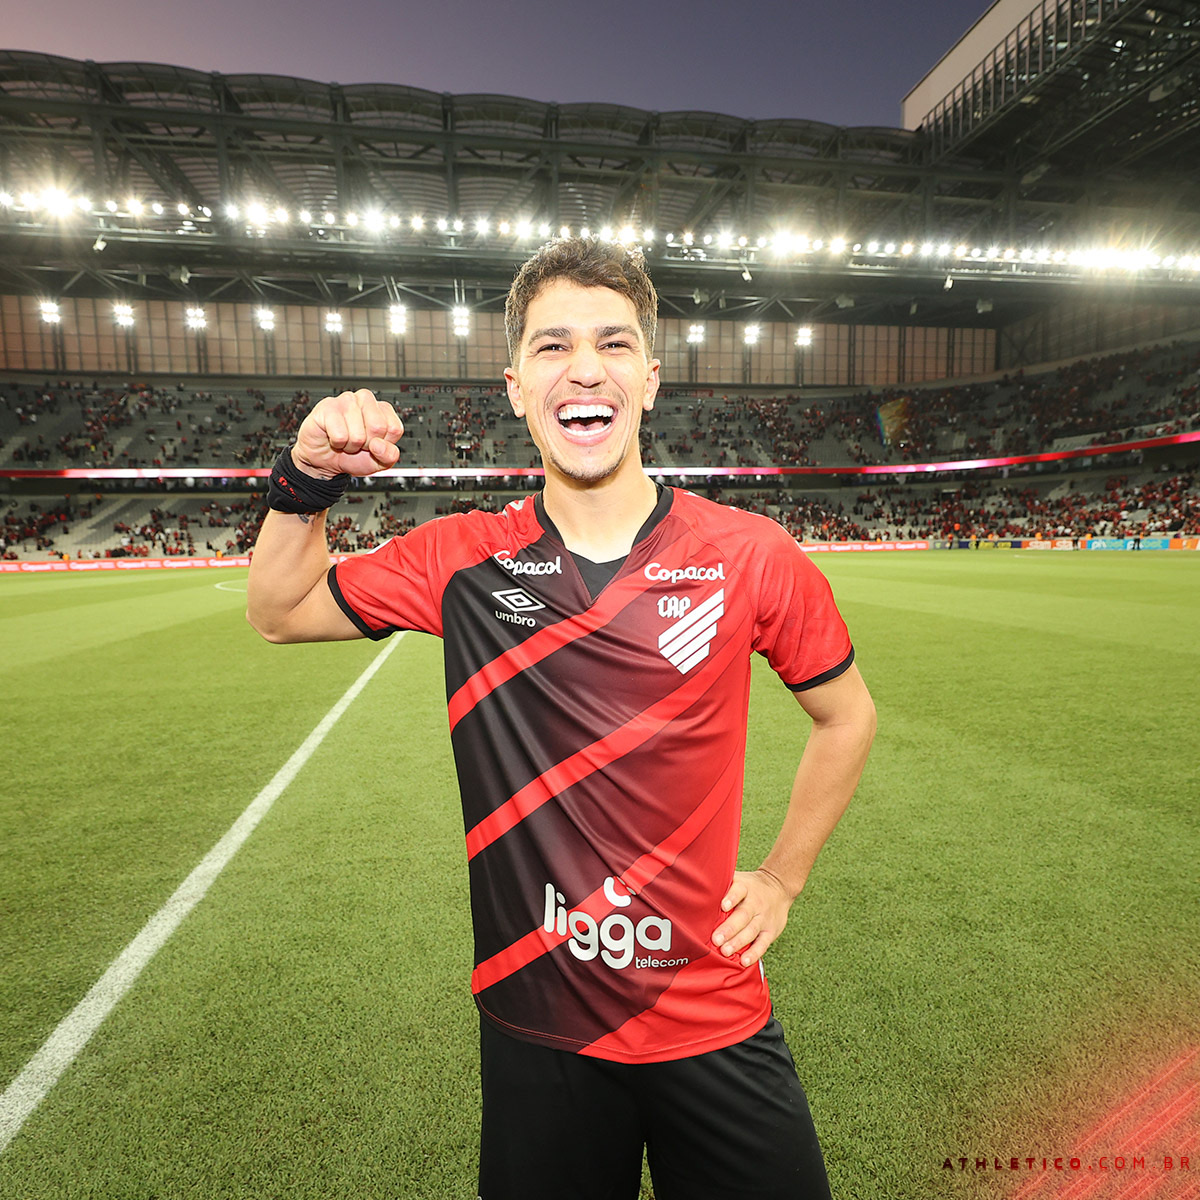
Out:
{"x": 75, "y": 1030}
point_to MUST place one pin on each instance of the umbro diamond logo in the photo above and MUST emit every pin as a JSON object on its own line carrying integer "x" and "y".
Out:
{"x": 685, "y": 643}
{"x": 519, "y": 600}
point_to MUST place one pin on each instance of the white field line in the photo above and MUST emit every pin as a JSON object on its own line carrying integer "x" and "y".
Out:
{"x": 62, "y": 1047}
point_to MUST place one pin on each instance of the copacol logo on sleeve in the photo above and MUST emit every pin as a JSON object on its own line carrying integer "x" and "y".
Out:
{"x": 615, "y": 939}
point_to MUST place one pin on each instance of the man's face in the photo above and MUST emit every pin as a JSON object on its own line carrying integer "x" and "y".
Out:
{"x": 582, "y": 380}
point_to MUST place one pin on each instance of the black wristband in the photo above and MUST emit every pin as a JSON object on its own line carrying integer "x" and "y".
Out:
{"x": 294, "y": 491}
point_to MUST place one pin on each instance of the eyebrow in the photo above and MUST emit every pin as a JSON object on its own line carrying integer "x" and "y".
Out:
{"x": 563, "y": 332}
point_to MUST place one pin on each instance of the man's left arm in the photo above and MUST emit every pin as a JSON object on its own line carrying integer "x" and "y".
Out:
{"x": 757, "y": 902}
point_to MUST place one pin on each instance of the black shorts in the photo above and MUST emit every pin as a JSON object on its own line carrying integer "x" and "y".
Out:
{"x": 731, "y": 1124}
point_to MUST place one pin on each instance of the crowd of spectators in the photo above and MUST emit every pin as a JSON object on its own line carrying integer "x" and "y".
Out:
{"x": 1101, "y": 401}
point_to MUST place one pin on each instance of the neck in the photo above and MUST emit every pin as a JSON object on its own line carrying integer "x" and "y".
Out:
{"x": 600, "y": 520}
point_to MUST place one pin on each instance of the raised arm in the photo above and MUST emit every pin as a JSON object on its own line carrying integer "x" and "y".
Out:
{"x": 843, "y": 727}
{"x": 288, "y": 599}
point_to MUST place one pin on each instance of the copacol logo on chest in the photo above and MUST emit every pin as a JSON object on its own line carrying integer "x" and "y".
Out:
{"x": 549, "y": 566}
{"x": 615, "y": 939}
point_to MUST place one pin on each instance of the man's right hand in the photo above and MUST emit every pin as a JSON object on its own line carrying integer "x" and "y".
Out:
{"x": 353, "y": 433}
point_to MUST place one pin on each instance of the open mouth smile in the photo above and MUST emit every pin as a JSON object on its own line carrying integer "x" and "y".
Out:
{"x": 585, "y": 422}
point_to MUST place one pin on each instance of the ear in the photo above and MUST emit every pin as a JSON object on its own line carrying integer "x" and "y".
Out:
{"x": 651, "y": 384}
{"x": 513, "y": 386}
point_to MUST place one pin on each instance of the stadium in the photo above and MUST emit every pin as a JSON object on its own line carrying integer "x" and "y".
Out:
{"x": 958, "y": 361}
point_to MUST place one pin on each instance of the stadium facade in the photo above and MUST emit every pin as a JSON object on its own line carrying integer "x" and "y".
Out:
{"x": 1041, "y": 205}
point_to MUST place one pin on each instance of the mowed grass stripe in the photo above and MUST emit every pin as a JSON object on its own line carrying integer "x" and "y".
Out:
{"x": 1001, "y": 934}
{"x": 125, "y": 764}
{"x": 310, "y": 1029}
{"x": 73, "y": 1033}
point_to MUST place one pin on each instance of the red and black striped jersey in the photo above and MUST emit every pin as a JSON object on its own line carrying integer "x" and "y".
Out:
{"x": 600, "y": 745}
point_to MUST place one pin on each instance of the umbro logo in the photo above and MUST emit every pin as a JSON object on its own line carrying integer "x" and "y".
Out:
{"x": 685, "y": 642}
{"x": 518, "y": 599}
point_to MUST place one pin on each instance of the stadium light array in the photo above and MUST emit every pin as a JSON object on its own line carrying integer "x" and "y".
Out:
{"x": 751, "y": 334}
{"x": 123, "y": 315}
{"x": 461, "y": 318}
{"x": 266, "y": 320}
{"x": 398, "y": 320}
{"x": 742, "y": 249}
{"x": 50, "y": 312}
{"x": 804, "y": 336}
{"x": 196, "y": 319}
{"x": 695, "y": 334}
{"x": 333, "y": 322}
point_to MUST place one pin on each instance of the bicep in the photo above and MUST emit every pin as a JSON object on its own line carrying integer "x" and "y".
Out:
{"x": 840, "y": 701}
{"x": 316, "y": 618}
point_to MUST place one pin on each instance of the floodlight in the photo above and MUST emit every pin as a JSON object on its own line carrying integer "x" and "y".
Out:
{"x": 182, "y": 209}
{"x": 136, "y": 207}
{"x": 750, "y": 335}
{"x": 524, "y": 229}
{"x": 6, "y": 200}
{"x": 196, "y": 319}
{"x": 305, "y": 217}
{"x": 461, "y": 318}
{"x": 442, "y": 224}
{"x": 804, "y": 335}
{"x": 281, "y": 216}
{"x": 398, "y": 319}
{"x": 50, "y": 312}
{"x": 333, "y": 322}
{"x": 111, "y": 205}
{"x": 418, "y": 223}
{"x": 505, "y": 228}
{"x": 695, "y": 334}
{"x": 458, "y": 225}
{"x": 158, "y": 208}
{"x": 266, "y": 320}
{"x": 374, "y": 220}
{"x": 57, "y": 202}
{"x": 256, "y": 213}
{"x": 329, "y": 218}
{"x": 544, "y": 229}
{"x": 482, "y": 226}
{"x": 123, "y": 315}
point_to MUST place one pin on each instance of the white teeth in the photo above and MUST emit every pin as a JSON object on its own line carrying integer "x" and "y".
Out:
{"x": 584, "y": 412}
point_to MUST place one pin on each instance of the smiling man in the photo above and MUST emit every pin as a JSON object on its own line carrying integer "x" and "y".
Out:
{"x": 597, "y": 640}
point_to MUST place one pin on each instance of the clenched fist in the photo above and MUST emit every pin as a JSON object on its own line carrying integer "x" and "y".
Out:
{"x": 353, "y": 433}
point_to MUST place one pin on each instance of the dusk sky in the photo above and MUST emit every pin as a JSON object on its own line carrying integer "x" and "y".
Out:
{"x": 847, "y": 62}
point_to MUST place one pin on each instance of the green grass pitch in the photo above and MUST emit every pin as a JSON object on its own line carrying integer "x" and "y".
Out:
{"x": 1001, "y": 940}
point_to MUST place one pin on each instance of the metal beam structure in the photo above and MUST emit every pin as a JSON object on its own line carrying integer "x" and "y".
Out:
{"x": 1025, "y": 168}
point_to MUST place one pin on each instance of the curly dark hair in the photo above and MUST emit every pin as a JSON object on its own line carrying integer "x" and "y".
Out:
{"x": 588, "y": 262}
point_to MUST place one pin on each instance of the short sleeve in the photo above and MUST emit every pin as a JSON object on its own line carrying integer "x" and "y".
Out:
{"x": 397, "y": 586}
{"x": 798, "y": 627}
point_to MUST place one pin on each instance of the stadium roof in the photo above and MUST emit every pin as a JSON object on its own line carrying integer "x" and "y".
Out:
{"x": 270, "y": 186}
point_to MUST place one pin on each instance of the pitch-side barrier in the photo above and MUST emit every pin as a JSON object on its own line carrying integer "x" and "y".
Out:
{"x": 243, "y": 560}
